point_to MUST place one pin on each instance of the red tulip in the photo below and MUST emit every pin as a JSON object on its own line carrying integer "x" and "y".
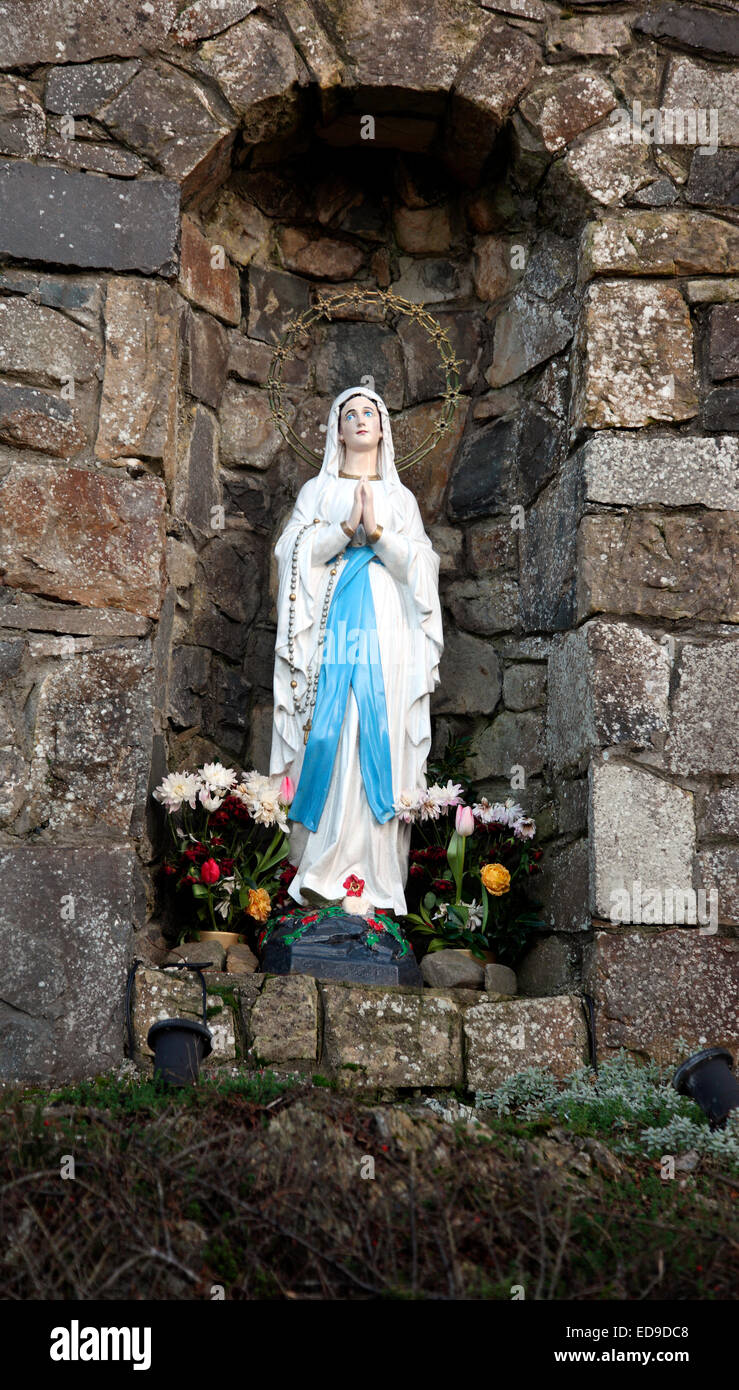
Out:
{"x": 209, "y": 871}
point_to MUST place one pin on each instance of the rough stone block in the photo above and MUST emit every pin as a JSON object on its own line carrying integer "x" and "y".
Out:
{"x": 159, "y": 994}
{"x": 211, "y": 284}
{"x": 236, "y": 224}
{"x": 673, "y": 470}
{"x": 391, "y": 1037}
{"x": 506, "y": 1037}
{"x": 484, "y": 93}
{"x": 718, "y": 811}
{"x": 448, "y": 543}
{"x": 659, "y": 243}
{"x": 451, "y": 968}
{"x": 723, "y": 343}
{"x": 528, "y": 331}
{"x": 89, "y": 219}
{"x": 550, "y": 967}
{"x": 641, "y": 829}
{"x": 486, "y": 605}
{"x": 635, "y": 346}
{"x": 694, "y": 88}
{"x": 704, "y": 730}
{"x": 284, "y": 1020}
{"x": 549, "y": 551}
{"x": 564, "y": 886}
{"x": 397, "y": 51}
{"x": 511, "y": 741}
{"x": 274, "y": 297}
{"x": 92, "y": 743}
{"x": 258, "y": 71}
{"x": 712, "y": 181}
{"x": 22, "y": 119}
{"x": 186, "y": 131}
{"x": 524, "y": 686}
{"x": 137, "y": 408}
{"x": 575, "y": 104}
{"x": 197, "y": 483}
{"x": 718, "y": 874}
{"x": 692, "y": 26}
{"x": 66, "y": 924}
{"x": 612, "y": 468}
{"x": 601, "y": 166}
{"x": 83, "y": 536}
{"x": 39, "y": 32}
{"x": 248, "y": 435}
{"x": 31, "y": 419}
{"x": 470, "y": 679}
{"x": 608, "y": 685}
{"x": 492, "y": 545}
{"x": 79, "y": 89}
{"x": 653, "y": 989}
{"x": 721, "y": 409}
{"x": 42, "y": 345}
{"x": 207, "y": 358}
{"x": 345, "y": 353}
{"x": 659, "y": 565}
{"x": 500, "y": 979}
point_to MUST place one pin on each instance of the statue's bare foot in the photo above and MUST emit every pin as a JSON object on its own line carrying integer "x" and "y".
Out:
{"x": 358, "y": 906}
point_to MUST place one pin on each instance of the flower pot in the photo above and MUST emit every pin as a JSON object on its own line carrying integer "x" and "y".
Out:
{"x": 179, "y": 1046}
{"x": 487, "y": 958}
{"x": 226, "y": 938}
{"x": 708, "y": 1079}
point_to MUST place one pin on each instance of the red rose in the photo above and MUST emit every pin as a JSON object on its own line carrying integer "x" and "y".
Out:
{"x": 209, "y": 871}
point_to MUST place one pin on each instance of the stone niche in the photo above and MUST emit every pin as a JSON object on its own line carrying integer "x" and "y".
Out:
{"x": 175, "y": 185}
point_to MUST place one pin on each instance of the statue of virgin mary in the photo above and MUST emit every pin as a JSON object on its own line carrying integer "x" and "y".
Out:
{"x": 359, "y": 639}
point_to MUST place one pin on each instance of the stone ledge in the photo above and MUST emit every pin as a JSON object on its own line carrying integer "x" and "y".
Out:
{"x": 369, "y": 1037}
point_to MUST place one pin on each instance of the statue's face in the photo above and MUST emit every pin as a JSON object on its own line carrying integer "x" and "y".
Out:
{"x": 360, "y": 426}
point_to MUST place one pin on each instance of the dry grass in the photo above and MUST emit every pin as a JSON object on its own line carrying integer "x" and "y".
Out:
{"x": 263, "y": 1193}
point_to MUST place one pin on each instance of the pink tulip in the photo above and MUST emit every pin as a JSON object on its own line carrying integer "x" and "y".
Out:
{"x": 464, "y": 822}
{"x": 287, "y": 790}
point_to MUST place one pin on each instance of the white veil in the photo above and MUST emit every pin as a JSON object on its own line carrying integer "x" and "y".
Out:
{"x": 334, "y": 451}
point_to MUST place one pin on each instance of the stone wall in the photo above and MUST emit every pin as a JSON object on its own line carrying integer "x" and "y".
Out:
{"x": 397, "y": 1038}
{"x": 173, "y": 183}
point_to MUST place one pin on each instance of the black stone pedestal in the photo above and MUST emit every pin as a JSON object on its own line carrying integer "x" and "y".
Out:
{"x": 335, "y": 945}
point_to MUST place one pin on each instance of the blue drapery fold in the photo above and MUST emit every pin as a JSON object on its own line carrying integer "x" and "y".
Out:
{"x": 352, "y": 604}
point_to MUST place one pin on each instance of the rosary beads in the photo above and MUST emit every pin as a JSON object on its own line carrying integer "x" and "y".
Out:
{"x": 306, "y": 703}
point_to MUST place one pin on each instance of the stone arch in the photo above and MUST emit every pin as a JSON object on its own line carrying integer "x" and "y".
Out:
{"x": 125, "y": 301}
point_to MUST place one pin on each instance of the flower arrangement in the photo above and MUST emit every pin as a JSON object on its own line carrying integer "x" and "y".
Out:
{"x": 466, "y": 879}
{"x": 228, "y": 836}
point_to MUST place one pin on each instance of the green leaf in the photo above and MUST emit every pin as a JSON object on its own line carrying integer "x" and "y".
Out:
{"x": 455, "y": 855}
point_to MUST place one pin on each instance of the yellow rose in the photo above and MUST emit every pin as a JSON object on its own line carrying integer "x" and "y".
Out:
{"x": 259, "y": 904}
{"x": 496, "y": 878}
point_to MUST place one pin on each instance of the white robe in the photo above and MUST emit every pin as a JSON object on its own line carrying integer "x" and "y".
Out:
{"x": 405, "y": 592}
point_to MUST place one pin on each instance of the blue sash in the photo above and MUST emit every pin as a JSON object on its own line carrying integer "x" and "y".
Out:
{"x": 352, "y": 605}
